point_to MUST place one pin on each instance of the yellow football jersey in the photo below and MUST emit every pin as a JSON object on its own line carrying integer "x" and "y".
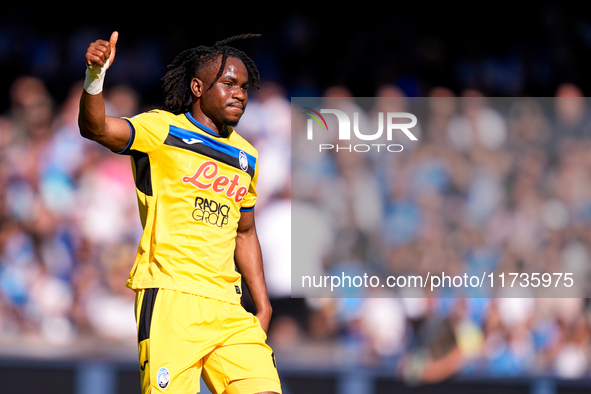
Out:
{"x": 192, "y": 185}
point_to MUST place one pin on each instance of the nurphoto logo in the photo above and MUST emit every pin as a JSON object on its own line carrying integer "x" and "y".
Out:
{"x": 345, "y": 125}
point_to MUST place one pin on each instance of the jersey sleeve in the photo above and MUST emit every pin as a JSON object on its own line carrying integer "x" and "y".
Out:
{"x": 148, "y": 131}
{"x": 250, "y": 198}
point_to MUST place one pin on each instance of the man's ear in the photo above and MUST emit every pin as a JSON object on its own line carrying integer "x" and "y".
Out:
{"x": 197, "y": 87}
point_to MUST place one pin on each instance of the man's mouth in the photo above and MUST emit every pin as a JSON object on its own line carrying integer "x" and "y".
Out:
{"x": 237, "y": 105}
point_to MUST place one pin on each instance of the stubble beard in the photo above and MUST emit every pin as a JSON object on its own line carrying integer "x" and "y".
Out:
{"x": 232, "y": 123}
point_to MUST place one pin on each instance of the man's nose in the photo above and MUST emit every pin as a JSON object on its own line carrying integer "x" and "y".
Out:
{"x": 239, "y": 94}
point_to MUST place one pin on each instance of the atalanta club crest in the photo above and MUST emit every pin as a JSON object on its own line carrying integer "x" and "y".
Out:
{"x": 243, "y": 160}
{"x": 163, "y": 378}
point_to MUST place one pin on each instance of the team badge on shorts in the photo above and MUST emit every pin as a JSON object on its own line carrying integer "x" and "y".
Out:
{"x": 243, "y": 160}
{"x": 163, "y": 378}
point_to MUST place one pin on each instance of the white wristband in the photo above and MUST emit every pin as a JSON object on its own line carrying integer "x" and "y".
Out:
{"x": 95, "y": 76}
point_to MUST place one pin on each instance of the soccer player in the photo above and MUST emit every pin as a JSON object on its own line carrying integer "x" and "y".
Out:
{"x": 195, "y": 179}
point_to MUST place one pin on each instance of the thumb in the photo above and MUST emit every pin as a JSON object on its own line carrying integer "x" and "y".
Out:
{"x": 113, "y": 42}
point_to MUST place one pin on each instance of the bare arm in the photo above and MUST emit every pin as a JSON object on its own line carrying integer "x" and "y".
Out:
{"x": 249, "y": 262}
{"x": 113, "y": 133}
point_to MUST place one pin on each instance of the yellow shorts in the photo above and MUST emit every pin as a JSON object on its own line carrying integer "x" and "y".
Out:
{"x": 185, "y": 336}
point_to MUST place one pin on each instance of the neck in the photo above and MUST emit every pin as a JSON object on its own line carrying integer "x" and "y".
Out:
{"x": 207, "y": 125}
{"x": 206, "y": 121}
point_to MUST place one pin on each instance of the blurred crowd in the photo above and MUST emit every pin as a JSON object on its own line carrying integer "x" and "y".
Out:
{"x": 68, "y": 221}
{"x": 492, "y": 185}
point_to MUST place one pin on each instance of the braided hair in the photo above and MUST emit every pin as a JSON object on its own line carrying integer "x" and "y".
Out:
{"x": 177, "y": 81}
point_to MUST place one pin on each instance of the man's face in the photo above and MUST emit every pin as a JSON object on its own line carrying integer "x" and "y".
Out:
{"x": 225, "y": 102}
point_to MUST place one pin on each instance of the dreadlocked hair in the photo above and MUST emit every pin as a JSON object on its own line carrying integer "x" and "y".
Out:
{"x": 177, "y": 81}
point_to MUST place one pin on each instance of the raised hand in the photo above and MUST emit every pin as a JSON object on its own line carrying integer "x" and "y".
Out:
{"x": 100, "y": 51}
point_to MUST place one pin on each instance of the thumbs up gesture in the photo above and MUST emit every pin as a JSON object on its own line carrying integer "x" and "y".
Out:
{"x": 101, "y": 51}
{"x": 99, "y": 56}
